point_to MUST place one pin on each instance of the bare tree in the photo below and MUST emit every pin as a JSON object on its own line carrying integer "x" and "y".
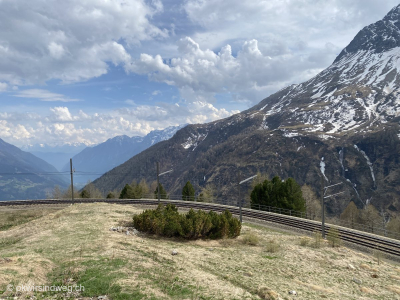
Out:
{"x": 313, "y": 204}
{"x": 207, "y": 194}
{"x": 351, "y": 214}
{"x": 370, "y": 217}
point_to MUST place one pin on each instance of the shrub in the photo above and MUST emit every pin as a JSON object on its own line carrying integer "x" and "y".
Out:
{"x": 272, "y": 246}
{"x": 333, "y": 237}
{"x": 110, "y": 195}
{"x": 304, "y": 241}
{"x": 317, "y": 239}
{"x": 166, "y": 221}
{"x": 251, "y": 239}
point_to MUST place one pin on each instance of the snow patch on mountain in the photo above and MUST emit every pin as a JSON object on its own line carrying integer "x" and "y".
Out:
{"x": 194, "y": 140}
{"x": 322, "y": 168}
{"x": 368, "y": 163}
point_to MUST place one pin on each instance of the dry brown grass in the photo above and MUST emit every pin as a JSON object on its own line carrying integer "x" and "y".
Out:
{"x": 315, "y": 287}
{"x": 394, "y": 288}
{"x": 367, "y": 290}
{"x": 224, "y": 269}
{"x": 251, "y": 239}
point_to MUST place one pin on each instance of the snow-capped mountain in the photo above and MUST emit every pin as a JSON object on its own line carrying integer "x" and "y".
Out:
{"x": 358, "y": 91}
{"x": 92, "y": 162}
{"x": 343, "y": 123}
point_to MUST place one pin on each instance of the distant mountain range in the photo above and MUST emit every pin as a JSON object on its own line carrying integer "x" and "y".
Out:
{"x": 25, "y": 176}
{"x": 57, "y": 156}
{"x": 343, "y": 123}
{"x": 92, "y": 162}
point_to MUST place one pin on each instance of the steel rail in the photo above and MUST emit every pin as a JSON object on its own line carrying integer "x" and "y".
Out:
{"x": 385, "y": 245}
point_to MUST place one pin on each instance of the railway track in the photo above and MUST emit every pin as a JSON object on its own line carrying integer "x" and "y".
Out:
{"x": 386, "y": 245}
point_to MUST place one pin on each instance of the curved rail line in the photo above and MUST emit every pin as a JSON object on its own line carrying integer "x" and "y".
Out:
{"x": 385, "y": 245}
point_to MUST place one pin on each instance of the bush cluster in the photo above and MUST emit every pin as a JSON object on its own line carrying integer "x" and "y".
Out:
{"x": 167, "y": 221}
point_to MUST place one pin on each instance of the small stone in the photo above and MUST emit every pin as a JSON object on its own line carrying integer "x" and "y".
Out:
{"x": 356, "y": 280}
{"x": 294, "y": 293}
{"x": 102, "y": 298}
{"x": 174, "y": 252}
{"x": 127, "y": 232}
{"x": 374, "y": 275}
{"x": 248, "y": 274}
{"x": 351, "y": 267}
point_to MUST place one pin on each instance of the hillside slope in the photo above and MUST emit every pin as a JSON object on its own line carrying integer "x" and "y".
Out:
{"x": 77, "y": 247}
{"x": 25, "y": 176}
{"x": 347, "y": 118}
{"x": 95, "y": 161}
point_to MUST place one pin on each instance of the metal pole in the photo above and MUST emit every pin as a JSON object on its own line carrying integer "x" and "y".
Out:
{"x": 323, "y": 206}
{"x": 240, "y": 200}
{"x": 72, "y": 180}
{"x": 158, "y": 181}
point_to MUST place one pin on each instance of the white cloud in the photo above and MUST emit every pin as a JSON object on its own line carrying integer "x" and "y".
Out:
{"x": 250, "y": 75}
{"x": 62, "y": 114}
{"x": 70, "y": 40}
{"x": 3, "y": 86}
{"x": 61, "y": 126}
{"x": 43, "y": 95}
{"x": 155, "y": 93}
{"x": 287, "y": 22}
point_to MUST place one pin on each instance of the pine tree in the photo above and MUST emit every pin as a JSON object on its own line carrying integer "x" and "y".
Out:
{"x": 188, "y": 192}
{"x": 85, "y": 194}
{"x": 110, "y": 195}
{"x": 127, "y": 192}
{"x": 163, "y": 193}
{"x": 277, "y": 193}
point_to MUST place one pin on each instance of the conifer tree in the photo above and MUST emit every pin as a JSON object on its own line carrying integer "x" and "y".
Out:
{"x": 277, "y": 193}
{"x": 188, "y": 192}
{"x": 127, "y": 192}
{"x": 163, "y": 193}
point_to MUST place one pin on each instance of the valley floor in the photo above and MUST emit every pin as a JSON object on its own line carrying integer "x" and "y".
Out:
{"x": 75, "y": 246}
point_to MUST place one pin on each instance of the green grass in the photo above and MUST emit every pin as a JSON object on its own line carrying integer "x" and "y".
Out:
{"x": 270, "y": 257}
{"x": 7, "y": 242}
{"x": 9, "y": 220}
{"x": 98, "y": 278}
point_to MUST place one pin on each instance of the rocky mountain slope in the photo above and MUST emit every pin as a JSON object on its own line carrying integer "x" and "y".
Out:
{"x": 92, "y": 162}
{"x": 25, "y": 176}
{"x": 343, "y": 123}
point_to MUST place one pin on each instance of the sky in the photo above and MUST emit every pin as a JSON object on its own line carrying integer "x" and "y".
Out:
{"x": 76, "y": 71}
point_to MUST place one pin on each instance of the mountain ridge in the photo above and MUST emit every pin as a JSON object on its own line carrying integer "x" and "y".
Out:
{"x": 105, "y": 156}
{"x": 347, "y": 117}
{"x": 25, "y": 176}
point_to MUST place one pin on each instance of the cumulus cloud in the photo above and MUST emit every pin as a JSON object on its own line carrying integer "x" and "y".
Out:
{"x": 43, "y": 95}
{"x": 286, "y": 22}
{"x": 250, "y": 75}
{"x": 70, "y": 40}
{"x": 61, "y": 126}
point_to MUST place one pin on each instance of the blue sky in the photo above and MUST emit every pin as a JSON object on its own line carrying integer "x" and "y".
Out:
{"x": 85, "y": 71}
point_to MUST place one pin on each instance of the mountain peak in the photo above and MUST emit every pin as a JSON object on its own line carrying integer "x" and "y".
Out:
{"x": 393, "y": 14}
{"x": 378, "y": 37}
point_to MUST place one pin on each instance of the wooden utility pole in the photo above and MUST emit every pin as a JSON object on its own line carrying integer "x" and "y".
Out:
{"x": 72, "y": 180}
{"x": 158, "y": 181}
{"x": 323, "y": 205}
